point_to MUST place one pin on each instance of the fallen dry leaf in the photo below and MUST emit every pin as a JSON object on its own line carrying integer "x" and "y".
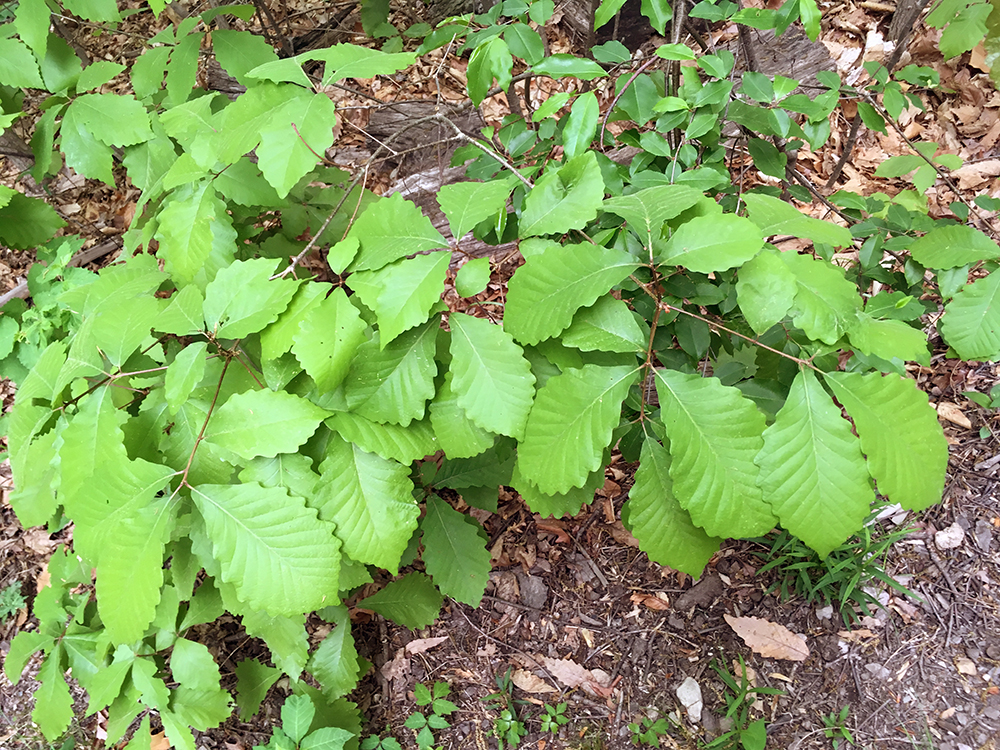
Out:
{"x": 965, "y": 666}
{"x": 769, "y": 638}
{"x": 949, "y": 411}
{"x": 530, "y": 683}
{"x": 572, "y": 675}
{"x": 856, "y": 636}
{"x": 623, "y": 535}
{"x": 424, "y": 644}
{"x": 656, "y": 602}
{"x": 554, "y": 527}
{"x": 159, "y": 742}
{"x": 397, "y": 667}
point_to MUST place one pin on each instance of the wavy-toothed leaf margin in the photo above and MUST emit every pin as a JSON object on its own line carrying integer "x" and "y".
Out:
{"x": 490, "y": 376}
{"x": 550, "y": 287}
{"x": 812, "y": 470}
{"x": 662, "y": 527}
{"x": 900, "y": 435}
{"x": 272, "y": 547}
{"x": 455, "y": 554}
{"x": 715, "y": 434}
{"x": 570, "y": 425}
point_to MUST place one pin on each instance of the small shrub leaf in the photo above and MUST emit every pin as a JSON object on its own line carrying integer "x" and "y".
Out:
{"x": 663, "y": 528}
{"x": 455, "y": 555}
{"x": 570, "y": 426}
{"x": 907, "y": 452}
{"x": 812, "y": 471}
{"x": 714, "y": 433}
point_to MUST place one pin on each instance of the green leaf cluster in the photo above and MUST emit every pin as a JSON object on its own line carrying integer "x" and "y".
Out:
{"x": 229, "y": 436}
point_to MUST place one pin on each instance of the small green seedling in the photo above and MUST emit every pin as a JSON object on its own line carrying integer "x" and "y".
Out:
{"x": 11, "y": 600}
{"x": 296, "y": 720}
{"x": 836, "y": 727}
{"x": 554, "y": 717}
{"x": 740, "y": 696}
{"x": 991, "y": 401}
{"x": 424, "y": 726}
{"x": 647, "y": 731}
{"x": 374, "y": 742}
{"x": 507, "y": 727}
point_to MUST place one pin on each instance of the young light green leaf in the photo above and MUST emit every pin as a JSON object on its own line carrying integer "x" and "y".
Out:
{"x": 390, "y": 229}
{"x": 353, "y": 61}
{"x": 606, "y": 11}
{"x": 765, "y": 290}
{"x": 608, "y": 326}
{"x": 826, "y": 303}
{"x": 328, "y": 337}
{"x": 286, "y": 637}
{"x": 183, "y": 316}
{"x": 411, "y": 601}
{"x": 32, "y": 19}
{"x": 263, "y": 423}
{"x": 906, "y": 449}
{"x": 557, "y": 505}
{"x": 489, "y": 60}
{"x": 775, "y": 216}
{"x": 279, "y": 556}
{"x": 492, "y": 379}
{"x": 468, "y": 203}
{"x": 952, "y": 247}
{"x": 711, "y": 243}
{"x": 662, "y": 527}
{"x": 971, "y": 322}
{"x": 130, "y": 567}
{"x": 473, "y": 277}
{"x": 296, "y": 133}
{"x": 242, "y": 122}
{"x": 455, "y": 554}
{"x": 113, "y": 119}
{"x": 715, "y": 434}
{"x": 53, "y": 703}
{"x": 239, "y": 52}
{"x": 456, "y": 434}
{"x": 545, "y": 293}
{"x": 563, "y": 198}
{"x": 581, "y": 125}
{"x": 888, "y": 339}
{"x": 570, "y": 425}
{"x": 278, "y": 337}
{"x": 812, "y": 471}
{"x": 393, "y": 384}
{"x": 18, "y": 67}
{"x": 196, "y": 235}
{"x": 253, "y": 681}
{"x": 296, "y": 716}
{"x": 335, "y": 664}
{"x": 647, "y": 210}
{"x": 370, "y": 500}
{"x": 242, "y": 299}
{"x": 193, "y": 666}
{"x": 403, "y": 444}
{"x": 328, "y": 738}
{"x": 402, "y": 294}
{"x": 563, "y": 65}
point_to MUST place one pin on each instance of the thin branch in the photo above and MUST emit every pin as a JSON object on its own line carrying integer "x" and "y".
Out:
{"x": 937, "y": 167}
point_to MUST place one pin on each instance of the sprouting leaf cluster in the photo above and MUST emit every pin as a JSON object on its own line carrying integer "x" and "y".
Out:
{"x": 228, "y": 434}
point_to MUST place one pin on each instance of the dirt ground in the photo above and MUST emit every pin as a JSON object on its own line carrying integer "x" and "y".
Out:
{"x": 923, "y": 672}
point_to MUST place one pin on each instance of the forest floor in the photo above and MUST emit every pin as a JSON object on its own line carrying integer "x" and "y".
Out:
{"x": 573, "y": 601}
